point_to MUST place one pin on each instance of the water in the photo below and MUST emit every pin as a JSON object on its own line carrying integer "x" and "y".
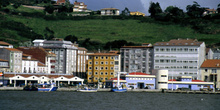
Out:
{"x": 26, "y": 100}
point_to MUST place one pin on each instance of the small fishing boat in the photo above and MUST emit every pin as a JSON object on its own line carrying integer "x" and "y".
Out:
{"x": 86, "y": 89}
{"x": 47, "y": 87}
{"x": 119, "y": 90}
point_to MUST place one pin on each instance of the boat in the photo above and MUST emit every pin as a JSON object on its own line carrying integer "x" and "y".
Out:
{"x": 119, "y": 88}
{"x": 47, "y": 87}
{"x": 85, "y": 89}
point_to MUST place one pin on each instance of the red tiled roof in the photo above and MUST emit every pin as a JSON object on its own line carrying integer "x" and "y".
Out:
{"x": 211, "y": 64}
{"x": 138, "y": 73}
{"x": 61, "y": 1}
{"x": 4, "y": 43}
{"x": 172, "y": 80}
{"x": 137, "y": 46}
{"x": 38, "y": 53}
{"x": 179, "y": 42}
{"x": 103, "y": 54}
{"x": 13, "y": 49}
{"x": 115, "y": 79}
{"x": 3, "y": 60}
{"x": 197, "y": 81}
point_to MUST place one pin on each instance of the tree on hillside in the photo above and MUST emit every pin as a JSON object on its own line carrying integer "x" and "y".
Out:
{"x": 71, "y": 38}
{"x": 49, "y": 9}
{"x": 154, "y": 9}
{"x": 125, "y": 12}
{"x": 174, "y": 11}
{"x": 195, "y": 10}
{"x": 218, "y": 9}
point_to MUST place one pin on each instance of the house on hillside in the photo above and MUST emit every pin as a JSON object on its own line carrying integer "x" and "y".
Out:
{"x": 61, "y": 2}
{"x": 209, "y": 11}
{"x": 79, "y": 7}
{"x": 109, "y": 11}
{"x": 137, "y": 13}
{"x": 5, "y": 45}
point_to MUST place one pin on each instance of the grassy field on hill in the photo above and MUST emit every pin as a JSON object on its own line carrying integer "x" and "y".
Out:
{"x": 103, "y": 30}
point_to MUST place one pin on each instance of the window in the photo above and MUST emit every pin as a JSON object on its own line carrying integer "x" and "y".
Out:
{"x": 96, "y": 68}
{"x": 96, "y": 57}
{"x": 206, "y": 70}
{"x": 90, "y": 62}
{"x": 156, "y": 49}
{"x": 112, "y": 57}
{"x": 214, "y": 71}
{"x": 106, "y": 62}
{"x": 102, "y": 62}
{"x": 90, "y": 73}
{"x": 96, "y": 73}
{"x": 96, "y": 62}
{"x": 112, "y": 73}
{"x": 163, "y": 75}
{"x": 102, "y": 57}
{"x": 116, "y": 62}
{"x": 106, "y": 57}
{"x": 101, "y": 73}
{"x": 106, "y": 68}
{"x": 112, "y": 68}
{"x": 90, "y": 68}
{"x": 168, "y": 49}
{"x": 106, "y": 73}
{"x": 102, "y": 68}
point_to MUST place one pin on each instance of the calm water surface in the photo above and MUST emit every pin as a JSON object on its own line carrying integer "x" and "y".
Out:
{"x": 25, "y": 100}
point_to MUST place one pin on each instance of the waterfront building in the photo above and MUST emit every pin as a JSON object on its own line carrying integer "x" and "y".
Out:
{"x": 46, "y": 60}
{"x": 186, "y": 83}
{"x": 29, "y": 64}
{"x": 111, "y": 83}
{"x": 25, "y": 79}
{"x": 181, "y": 57}
{"x": 210, "y": 71}
{"x": 4, "y": 66}
{"x": 109, "y": 11}
{"x": 81, "y": 61}
{"x": 137, "y": 58}
{"x": 79, "y": 7}
{"x": 140, "y": 80}
{"x": 102, "y": 66}
{"x": 66, "y": 54}
{"x": 14, "y": 56}
{"x": 5, "y": 45}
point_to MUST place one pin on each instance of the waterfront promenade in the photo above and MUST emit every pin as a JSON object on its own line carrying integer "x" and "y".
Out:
{"x": 129, "y": 90}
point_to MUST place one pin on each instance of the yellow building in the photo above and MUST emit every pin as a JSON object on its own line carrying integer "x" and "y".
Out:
{"x": 137, "y": 13}
{"x": 102, "y": 66}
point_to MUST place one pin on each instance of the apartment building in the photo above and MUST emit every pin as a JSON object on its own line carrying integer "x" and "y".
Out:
{"x": 29, "y": 64}
{"x": 181, "y": 57}
{"x": 81, "y": 62}
{"x": 46, "y": 60}
{"x": 66, "y": 54}
{"x": 102, "y": 66}
{"x": 210, "y": 71}
{"x": 4, "y": 66}
{"x": 137, "y": 58}
{"x": 79, "y": 7}
{"x": 14, "y": 58}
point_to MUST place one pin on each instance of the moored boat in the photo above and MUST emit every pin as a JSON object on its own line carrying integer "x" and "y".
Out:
{"x": 47, "y": 87}
{"x": 87, "y": 90}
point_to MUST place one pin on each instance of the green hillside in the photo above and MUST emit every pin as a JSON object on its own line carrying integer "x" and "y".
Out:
{"x": 15, "y": 26}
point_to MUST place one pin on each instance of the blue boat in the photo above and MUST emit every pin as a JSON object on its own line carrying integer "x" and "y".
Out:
{"x": 119, "y": 90}
{"x": 47, "y": 87}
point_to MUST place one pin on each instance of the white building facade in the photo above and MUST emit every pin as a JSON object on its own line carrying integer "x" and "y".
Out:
{"x": 180, "y": 57}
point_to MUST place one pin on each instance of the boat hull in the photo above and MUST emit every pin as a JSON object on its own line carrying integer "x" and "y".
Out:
{"x": 87, "y": 90}
{"x": 119, "y": 90}
{"x": 47, "y": 89}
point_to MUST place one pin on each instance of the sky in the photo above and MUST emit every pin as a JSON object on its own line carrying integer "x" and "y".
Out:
{"x": 143, "y": 5}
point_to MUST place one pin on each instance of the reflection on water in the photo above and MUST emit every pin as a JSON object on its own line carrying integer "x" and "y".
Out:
{"x": 21, "y": 100}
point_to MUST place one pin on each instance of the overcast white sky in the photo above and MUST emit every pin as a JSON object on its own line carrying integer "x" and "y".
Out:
{"x": 143, "y": 5}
